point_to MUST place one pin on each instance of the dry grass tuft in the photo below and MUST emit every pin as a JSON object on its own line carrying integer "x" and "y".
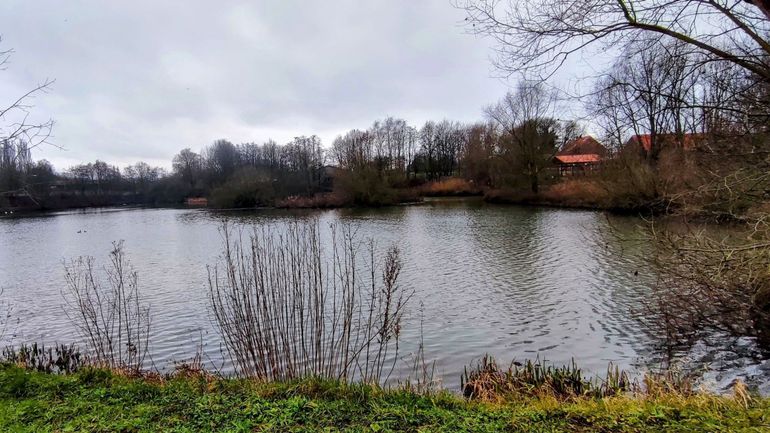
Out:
{"x": 669, "y": 382}
{"x": 741, "y": 394}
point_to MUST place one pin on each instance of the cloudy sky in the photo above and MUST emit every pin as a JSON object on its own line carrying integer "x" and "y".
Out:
{"x": 142, "y": 79}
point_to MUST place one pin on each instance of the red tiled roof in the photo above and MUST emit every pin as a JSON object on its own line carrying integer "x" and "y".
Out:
{"x": 584, "y": 145}
{"x": 578, "y": 159}
{"x": 645, "y": 141}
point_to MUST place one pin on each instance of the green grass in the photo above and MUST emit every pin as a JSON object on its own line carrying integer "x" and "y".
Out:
{"x": 99, "y": 401}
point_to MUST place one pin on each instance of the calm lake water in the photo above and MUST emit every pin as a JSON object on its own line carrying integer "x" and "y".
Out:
{"x": 514, "y": 282}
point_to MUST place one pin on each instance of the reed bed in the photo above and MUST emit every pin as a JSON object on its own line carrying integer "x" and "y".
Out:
{"x": 60, "y": 358}
{"x": 487, "y": 381}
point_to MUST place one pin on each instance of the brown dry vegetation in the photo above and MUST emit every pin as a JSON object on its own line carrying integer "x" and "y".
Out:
{"x": 317, "y": 201}
{"x": 453, "y": 186}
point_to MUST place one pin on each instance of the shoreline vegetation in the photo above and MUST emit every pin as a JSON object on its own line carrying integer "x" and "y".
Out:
{"x": 101, "y": 400}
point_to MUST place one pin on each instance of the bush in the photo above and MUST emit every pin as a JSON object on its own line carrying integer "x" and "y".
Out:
{"x": 577, "y": 192}
{"x": 248, "y": 187}
{"x": 323, "y": 200}
{"x": 453, "y": 186}
{"x": 365, "y": 187}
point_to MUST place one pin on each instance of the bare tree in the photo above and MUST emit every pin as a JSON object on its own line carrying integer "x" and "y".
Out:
{"x": 15, "y": 122}
{"x": 538, "y": 36}
{"x": 529, "y": 134}
{"x": 656, "y": 91}
{"x": 477, "y": 154}
{"x": 187, "y": 164}
{"x": 19, "y": 134}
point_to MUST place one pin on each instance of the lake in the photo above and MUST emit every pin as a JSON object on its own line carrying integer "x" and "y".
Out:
{"x": 514, "y": 282}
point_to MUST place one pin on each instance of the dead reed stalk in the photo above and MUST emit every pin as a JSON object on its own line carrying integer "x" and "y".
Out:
{"x": 5, "y": 314}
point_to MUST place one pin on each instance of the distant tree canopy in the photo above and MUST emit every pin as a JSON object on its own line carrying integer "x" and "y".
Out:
{"x": 368, "y": 165}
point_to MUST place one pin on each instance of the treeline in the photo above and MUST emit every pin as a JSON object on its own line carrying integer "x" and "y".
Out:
{"x": 361, "y": 167}
{"x": 29, "y": 184}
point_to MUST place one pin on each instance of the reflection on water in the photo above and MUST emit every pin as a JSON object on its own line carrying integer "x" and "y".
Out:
{"x": 513, "y": 282}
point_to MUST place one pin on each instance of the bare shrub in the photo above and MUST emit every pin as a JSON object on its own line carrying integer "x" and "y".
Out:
{"x": 287, "y": 307}
{"x": 453, "y": 186}
{"x": 422, "y": 376}
{"x": 630, "y": 183}
{"x": 710, "y": 281}
{"x": 108, "y": 313}
{"x": 319, "y": 200}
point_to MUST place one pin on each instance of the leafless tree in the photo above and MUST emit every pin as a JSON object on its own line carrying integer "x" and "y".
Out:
{"x": 15, "y": 122}
{"x": 528, "y": 138}
{"x": 19, "y": 134}
{"x": 353, "y": 150}
{"x": 187, "y": 164}
{"x": 477, "y": 155}
{"x": 110, "y": 315}
{"x": 656, "y": 91}
{"x": 538, "y": 36}
{"x": 441, "y": 146}
{"x": 289, "y": 307}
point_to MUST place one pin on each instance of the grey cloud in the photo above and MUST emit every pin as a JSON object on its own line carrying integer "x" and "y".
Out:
{"x": 143, "y": 79}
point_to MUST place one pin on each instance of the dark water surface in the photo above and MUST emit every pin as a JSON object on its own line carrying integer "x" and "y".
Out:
{"x": 514, "y": 282}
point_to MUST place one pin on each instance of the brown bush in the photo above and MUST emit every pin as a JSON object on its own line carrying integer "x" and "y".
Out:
{"x": 579, "y": 192}
{"x": 453, "y": 186}
{"x": 322, "y": 200}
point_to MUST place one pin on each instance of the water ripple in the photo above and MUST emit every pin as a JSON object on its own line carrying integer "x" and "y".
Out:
{"x": 512, "y": 282}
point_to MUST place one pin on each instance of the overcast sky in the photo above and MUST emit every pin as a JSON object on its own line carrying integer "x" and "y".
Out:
{"x": 140, "y": 80}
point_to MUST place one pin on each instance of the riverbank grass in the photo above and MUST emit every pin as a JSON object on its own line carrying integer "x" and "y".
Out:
{"x": 100, "y": 401}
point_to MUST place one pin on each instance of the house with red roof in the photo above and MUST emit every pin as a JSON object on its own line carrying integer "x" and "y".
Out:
{"x": 642, "y": 143}
{"x": 580, "y": 156}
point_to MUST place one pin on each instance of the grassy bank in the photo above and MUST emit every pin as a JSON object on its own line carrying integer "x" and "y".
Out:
{"x": 99, "y": 401}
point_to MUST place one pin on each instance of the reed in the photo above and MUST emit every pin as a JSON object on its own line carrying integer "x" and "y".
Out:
{"x": 487, "y": 381}
{"x": 61, "y": 358}
{"x": 5, "y": 314}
